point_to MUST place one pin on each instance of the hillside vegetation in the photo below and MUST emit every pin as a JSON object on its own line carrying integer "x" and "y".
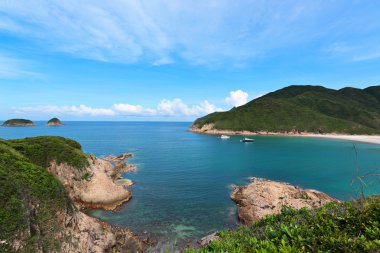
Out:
{"x": 54, "y": 122}
{"x": 345, "y": 227}
{"x": 30, "y": 196}
{"x": 18, "y": 122}
{"x": 305, "y": 109}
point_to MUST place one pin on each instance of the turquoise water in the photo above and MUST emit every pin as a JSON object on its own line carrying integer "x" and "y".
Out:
{"x": 184, "y": 179}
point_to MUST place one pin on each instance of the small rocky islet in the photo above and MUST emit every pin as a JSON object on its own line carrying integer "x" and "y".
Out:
{"x": 18, "y": 123}
{"x": 54, "y": 122}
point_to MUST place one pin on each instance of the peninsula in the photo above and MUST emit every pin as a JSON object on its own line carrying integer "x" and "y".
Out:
{"x": 300, "y": 110}
{"x": 44, "y": 184}
{"x": 18, "y": 122}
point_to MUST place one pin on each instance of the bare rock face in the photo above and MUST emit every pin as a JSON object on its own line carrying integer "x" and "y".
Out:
{"x": 205, "y": 241}
{"x": 264, "y": 197}
{"x": 93, "y": 186}
{"x": 82, "y": 233}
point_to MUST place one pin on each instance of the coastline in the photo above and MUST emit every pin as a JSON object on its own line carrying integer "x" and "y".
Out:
{"x": 372, "y": 139}
{"x": 262, "y": 197}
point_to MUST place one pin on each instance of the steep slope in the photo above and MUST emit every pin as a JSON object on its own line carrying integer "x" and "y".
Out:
{"x": 37, "y": 211}
{"x": 304, "y": 109}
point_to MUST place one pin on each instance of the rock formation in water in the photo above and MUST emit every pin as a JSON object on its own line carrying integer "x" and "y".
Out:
{"x": 54, "y": 122}
{"x": 18, "y": 122}
{"x": 264, "y": 197}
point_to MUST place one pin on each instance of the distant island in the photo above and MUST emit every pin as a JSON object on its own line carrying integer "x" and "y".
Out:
{"x": 54, "y": 122}
{"x": 18, "y": 122}
{"x": 300, "y": 109}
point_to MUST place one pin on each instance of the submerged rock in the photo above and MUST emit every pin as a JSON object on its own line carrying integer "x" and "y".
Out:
{"x": 124, "y": 182}
{"x": 18, "y": 122}
{"x": 264, "y": 197}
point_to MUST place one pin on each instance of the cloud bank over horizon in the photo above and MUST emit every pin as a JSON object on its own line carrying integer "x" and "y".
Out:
{"x": 165, "y": 108}
{"x": 177, "y": 59}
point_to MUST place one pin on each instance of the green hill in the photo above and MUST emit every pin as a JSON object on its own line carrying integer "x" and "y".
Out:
{"x": 305, "y": 109}
{"x": 30, "y": 196}
{"x": 18, "y": 122}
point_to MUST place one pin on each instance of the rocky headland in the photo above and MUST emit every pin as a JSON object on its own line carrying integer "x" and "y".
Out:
{"x": 93, "y": 186}
{"x": 18, "y": 123}
{"x": 264, "y": 197}
{"x": 45, "y": 183}
{"x": 54, "y": 122}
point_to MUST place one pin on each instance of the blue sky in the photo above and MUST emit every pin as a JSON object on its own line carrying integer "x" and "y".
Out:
{"x": 176, "y": 60}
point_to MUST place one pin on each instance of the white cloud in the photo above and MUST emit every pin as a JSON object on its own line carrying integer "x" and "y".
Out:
{"x": 80, "y": 110}
{"x": 171, "y": 108}
{"x": 175, "y": 107}
{"x": 129, "y": 109}
{"x": 160, "y": 32}
{"x": 12, "y": 67}
{"x": 237, "y": 98}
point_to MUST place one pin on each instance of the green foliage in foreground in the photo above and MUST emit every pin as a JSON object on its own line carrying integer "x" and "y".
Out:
{"x": 29, "y": 198}
{"x": 44, "y": 149}
{"x": 29, "y": 195}
{"x": 11, "y": 122}
{"x": 345, "y": 227}
{"x": 306, "y": 109}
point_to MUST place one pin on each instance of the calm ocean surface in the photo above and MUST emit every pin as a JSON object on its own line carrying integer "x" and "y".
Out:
{"x": 184, "y": 179}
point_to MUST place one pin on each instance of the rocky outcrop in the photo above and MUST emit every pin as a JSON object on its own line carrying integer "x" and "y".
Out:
{"x": 18, "y": 122}
{"x": 92, "y": 187}
{"x": 209, "y": 129}
{"x": 206, "y": 240}
{"x": 82, "y": 233}
{"x": 264, "y": 197}
{"x": 54, "y": 122}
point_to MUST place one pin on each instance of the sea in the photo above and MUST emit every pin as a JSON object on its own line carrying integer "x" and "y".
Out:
{"x": 184, "y": 180}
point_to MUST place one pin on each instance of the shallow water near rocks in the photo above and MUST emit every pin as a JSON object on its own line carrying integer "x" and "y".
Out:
{"x": 183, "y": 179}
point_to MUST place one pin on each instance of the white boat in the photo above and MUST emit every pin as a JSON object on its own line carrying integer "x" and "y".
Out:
{"x": 247, "y": 140}
{"x": 224, "y": 136}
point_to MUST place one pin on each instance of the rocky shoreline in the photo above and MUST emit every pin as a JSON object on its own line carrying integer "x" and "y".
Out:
{"x": 93, "y": 187}
{"x": 264, "y": 197}
{"x": 209, "y": 129}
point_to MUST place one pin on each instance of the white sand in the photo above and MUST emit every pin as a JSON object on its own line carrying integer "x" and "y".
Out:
{"x": 374, "y": 139}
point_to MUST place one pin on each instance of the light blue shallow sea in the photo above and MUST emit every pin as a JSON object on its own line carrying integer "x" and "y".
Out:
{"x": 184, "y": 179}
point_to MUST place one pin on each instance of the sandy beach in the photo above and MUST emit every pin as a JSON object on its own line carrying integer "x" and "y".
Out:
{"x": 374, "y": 139}
{"x": 208, "y": 129}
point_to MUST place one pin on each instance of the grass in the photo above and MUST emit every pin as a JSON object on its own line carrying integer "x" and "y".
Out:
{"x": 42, "y": 150}
{"x": 346, "y": 227}
{"x": 30, "y": 196}
{"x": 306, "y": 109}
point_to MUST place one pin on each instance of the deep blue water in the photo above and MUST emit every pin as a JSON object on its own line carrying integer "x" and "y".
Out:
{"x": 184, "y": 179}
